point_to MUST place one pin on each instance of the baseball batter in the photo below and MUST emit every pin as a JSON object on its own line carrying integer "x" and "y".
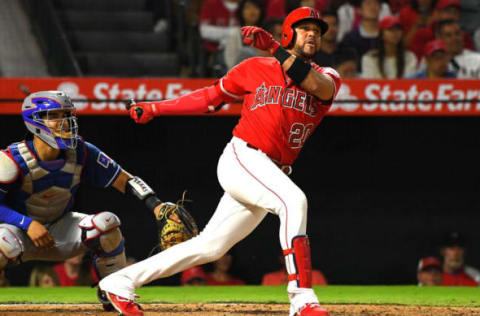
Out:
{"x": 284, "y": 99}
{"x": 38, "y": 181}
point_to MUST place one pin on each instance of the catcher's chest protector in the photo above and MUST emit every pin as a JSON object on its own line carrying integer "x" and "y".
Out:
{"x": 45, "y": 194}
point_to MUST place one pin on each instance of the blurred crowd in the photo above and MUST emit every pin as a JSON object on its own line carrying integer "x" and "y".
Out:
{"x": 366, "y": 38}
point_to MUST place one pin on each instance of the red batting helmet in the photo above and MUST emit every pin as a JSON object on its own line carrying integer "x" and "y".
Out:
{"x": 299, "y": 15}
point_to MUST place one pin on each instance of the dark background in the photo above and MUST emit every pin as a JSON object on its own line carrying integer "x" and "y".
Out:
{"x": 382, "y": 191}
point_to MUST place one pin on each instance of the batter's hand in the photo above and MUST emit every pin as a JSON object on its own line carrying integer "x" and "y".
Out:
{"x": 40, "y": 236}
{"x": 259, "y": 38}
{"x": 140, "y": 112}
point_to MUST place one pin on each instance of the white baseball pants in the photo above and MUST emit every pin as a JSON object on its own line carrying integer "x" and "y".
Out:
{"x": 253, "y": 185}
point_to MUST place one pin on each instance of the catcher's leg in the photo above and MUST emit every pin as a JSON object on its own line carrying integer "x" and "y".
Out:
{"x": 231, "y": 222}
{"x": 253, "y": 178}
{"x": 11, "y": 247}
{"x": 101, "y": 233}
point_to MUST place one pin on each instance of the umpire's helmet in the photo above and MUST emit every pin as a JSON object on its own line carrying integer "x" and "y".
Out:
{"x": 35, "y": 112}
{"x": 296, "y": 16}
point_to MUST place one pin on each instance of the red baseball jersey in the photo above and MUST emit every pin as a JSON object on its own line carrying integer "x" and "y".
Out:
{"x": 277, "y": 116}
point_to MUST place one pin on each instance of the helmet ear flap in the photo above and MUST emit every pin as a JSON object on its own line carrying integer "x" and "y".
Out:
{"x": 293, "y": 40}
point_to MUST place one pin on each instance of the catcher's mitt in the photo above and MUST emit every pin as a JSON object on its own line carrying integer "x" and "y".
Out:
{"x": 170, "y": 232}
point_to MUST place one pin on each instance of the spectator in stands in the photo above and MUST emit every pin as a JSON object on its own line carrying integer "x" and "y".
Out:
{"x": 429, "y": 271}
{"x": 280, "y": 277}
{"x": 464, "y": 62}
{"x": 218, "y": 19}
{"x": 345, "y": 62}
{"x": 349, "y": 16}
{"x": 390, "y": 59}
{"x": 281, "y": 8}
{"x": 397, "y": 5}
{"x": 220, "y": 274}
{"x": 444, "y": 10}
{"x": 194, "y": 276}
{"x": 44, "y": 276}
{"x": 76, "y": 272}
{"x": 416, "y": 16}
{"x": 455, "y": 272}
{"x": 274, "y": 27}
{"x": 3, "y": 279}
{"x": 436, "y": 59}
{"x": 364, "y": 37}
{"x": 250, "y": 12}
{"x": 325, "y": 56}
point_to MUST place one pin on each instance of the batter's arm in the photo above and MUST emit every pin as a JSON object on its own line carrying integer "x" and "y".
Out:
{"x": 301, "y": 72}
{"x": 197, "y": 102}
{"x": 318, "y": 84}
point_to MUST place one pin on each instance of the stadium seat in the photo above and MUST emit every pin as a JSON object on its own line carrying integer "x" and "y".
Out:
{"x": 137, "y": 21}
{"x": 101, "y": 5}
{"x": 135, "y": 42}
{"x": 117, "y": 38}
{"x": 127, "y": 64}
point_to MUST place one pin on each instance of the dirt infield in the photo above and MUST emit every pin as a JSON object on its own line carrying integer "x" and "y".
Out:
{"x": 233, "y": 310}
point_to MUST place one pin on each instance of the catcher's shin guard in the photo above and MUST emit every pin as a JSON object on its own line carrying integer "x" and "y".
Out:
{"x": 101, "y": 233}
{"x": 301, "y": 271}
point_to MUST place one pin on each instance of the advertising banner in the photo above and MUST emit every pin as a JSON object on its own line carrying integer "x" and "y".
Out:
{"x": 103, "y": 96}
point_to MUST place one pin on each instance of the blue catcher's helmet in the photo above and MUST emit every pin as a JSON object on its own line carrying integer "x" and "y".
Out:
{"x": 37, "y": 111}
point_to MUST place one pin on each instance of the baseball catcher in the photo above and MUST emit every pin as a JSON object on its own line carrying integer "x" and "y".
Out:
{"x": 39, "y": 178}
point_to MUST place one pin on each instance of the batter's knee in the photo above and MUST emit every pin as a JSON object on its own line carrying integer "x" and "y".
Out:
{"x": 11, "y": 247}
{"x": 297, "y": 203}
{"x": 101, "y": 233}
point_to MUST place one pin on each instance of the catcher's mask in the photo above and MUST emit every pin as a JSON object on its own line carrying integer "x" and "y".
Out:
{"x": 300, "y": 15}
{"x": 51, "y": 116}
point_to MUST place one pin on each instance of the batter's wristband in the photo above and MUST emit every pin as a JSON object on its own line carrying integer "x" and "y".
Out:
{"x": 281, "y": 55}
{"x": 299, "y": 70}
{"x": 152, "y": 202}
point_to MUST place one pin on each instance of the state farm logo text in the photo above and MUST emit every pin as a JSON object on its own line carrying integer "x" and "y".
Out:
{"x": 113, "y": 91}
{"x": 444, "y": 94}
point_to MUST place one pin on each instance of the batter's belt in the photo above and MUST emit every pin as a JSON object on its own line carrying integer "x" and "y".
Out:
{"x": 287, "y": 169}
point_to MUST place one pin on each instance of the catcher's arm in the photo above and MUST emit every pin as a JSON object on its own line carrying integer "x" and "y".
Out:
{"x": 134, "y": 186}
{"x": 174, "y": 223}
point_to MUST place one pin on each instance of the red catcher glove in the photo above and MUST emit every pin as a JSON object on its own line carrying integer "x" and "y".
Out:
{"x": 261, "y": 38}
{"x": 142, "y": 112}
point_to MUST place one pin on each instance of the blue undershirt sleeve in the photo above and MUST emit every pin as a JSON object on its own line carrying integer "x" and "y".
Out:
{"x": 9, "y": 216}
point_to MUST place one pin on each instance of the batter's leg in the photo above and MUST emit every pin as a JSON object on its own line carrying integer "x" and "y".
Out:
{"x": 253, "y": 178}
{"x": 231, "y": 222}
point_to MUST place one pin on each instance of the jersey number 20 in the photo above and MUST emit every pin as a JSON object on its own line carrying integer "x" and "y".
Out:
{"x": 299, "y": 134}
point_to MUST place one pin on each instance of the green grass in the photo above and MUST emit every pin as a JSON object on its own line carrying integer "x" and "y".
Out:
{"x": 392, "y": 295}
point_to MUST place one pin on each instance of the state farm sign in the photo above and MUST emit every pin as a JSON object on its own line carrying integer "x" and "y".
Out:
{"x": 356, "y": 97}
{"x": 408, "y": 97}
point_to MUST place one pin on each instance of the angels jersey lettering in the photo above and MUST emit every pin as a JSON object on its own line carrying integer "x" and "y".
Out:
{"x": 277, "y": 116}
